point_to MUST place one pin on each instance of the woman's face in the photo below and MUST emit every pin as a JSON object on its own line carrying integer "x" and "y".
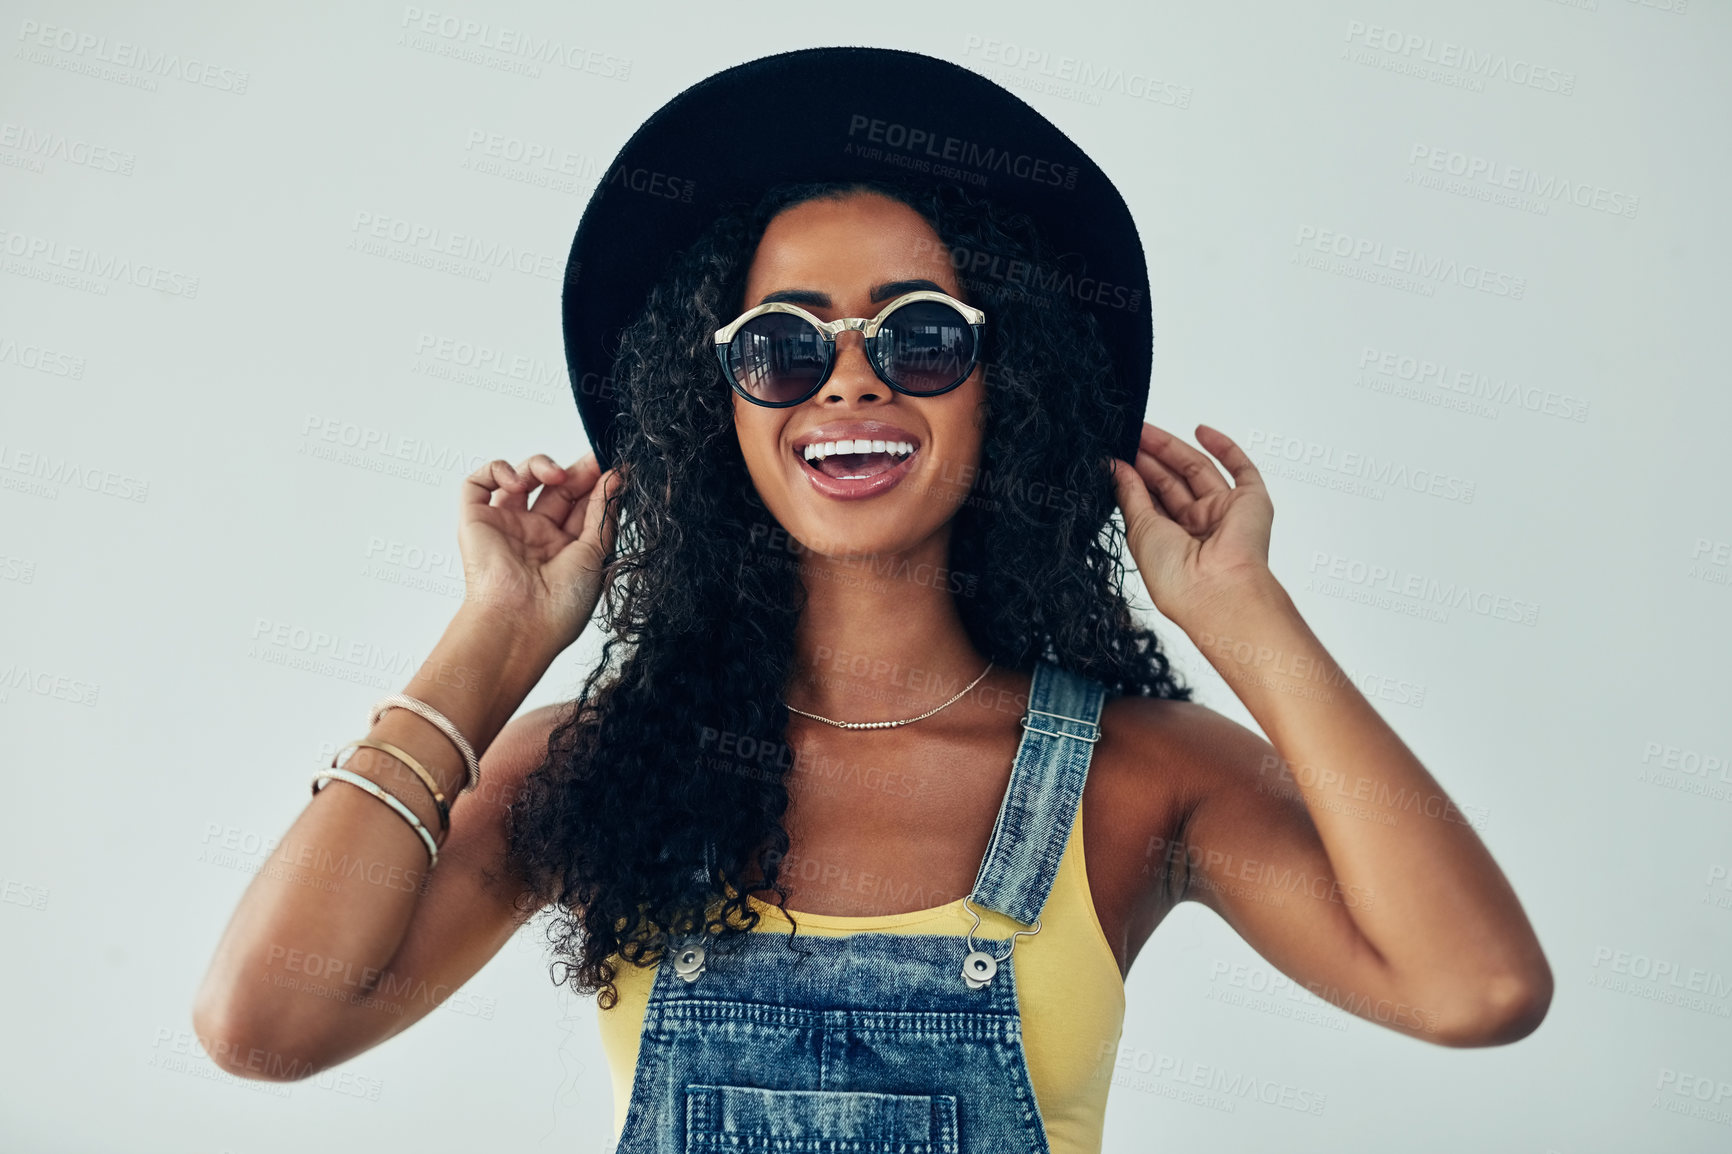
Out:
{"x": 848, "y": 258}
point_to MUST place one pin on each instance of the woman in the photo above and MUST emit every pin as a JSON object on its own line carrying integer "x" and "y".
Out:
{"x": 868, "y": 697}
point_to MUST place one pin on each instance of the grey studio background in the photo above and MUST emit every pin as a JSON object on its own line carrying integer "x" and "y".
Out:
{"x": 277, "y": 278}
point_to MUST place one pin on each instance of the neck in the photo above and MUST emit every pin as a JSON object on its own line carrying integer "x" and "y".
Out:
{"x": 881, "y": 638}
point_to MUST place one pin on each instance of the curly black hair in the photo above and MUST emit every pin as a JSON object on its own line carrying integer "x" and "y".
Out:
{"x": 701, "y": 602}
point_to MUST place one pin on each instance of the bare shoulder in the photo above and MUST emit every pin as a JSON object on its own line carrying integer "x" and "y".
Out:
{"x": 1144, "y": 782}
{"x": 1229, "y": 810}
{"x": 1188, "y": 725}
{"x": 1158, "y": 764}
{"x": 1140, "y": 764}
{"x": 517, "y": 751}
{"x": 1189, "y": 749}
{"x": 1175, "y": 748}
{"x": 522, "y": 744}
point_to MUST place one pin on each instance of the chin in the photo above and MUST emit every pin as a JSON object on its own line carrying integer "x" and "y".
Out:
{"x": 837, "y": 538}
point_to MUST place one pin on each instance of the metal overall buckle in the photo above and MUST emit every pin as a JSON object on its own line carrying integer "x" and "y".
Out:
{"x": 689, "y": 959}
{"x": 980, "y": 967}
{"x": 1027, "y": 721}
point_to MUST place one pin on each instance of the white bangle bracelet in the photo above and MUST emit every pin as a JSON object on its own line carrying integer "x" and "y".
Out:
{"x": 422, "y": 709}
{"x": 325, "y": 776}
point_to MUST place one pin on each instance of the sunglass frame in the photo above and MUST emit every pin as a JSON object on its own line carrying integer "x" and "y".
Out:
{"x": 829, "y": 330}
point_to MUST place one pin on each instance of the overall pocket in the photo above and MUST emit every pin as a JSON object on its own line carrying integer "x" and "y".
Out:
{"x": 745, "y": 1118}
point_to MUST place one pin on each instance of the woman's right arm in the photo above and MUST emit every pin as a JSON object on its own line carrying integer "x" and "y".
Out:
{"x": 345, "y": 938}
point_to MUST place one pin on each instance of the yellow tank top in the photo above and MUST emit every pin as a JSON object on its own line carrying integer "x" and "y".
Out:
{"x": 1069, "y": 994}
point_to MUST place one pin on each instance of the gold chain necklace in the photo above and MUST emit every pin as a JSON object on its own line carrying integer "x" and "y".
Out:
{"x": 892, "y": 724}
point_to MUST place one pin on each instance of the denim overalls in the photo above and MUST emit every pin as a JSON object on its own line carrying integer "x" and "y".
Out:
{"x": 872, "y": 1043}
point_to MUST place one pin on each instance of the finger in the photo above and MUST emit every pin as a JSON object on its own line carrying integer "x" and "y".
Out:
{"x": 571, "y": 495}
{"x": 580, "y": 479}
{"x": 1147, "y": 523}
{"x": 479, "y": 486}
{"x": 1172, "y": 490}
{"x": 556, "y": 497}
{"x": 1133, "y": 493}
{"x": 515, "y": 495}
{"x": 1231, "y": 455}
{"x": 1200, "y": 474}
{"x": 513, "y": 491}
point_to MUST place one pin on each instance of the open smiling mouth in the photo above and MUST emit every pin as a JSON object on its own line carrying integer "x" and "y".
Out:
{"x": 861, "y": 468}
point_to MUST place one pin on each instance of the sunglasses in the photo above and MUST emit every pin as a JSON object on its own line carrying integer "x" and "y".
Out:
{"x": 924, "y": 343}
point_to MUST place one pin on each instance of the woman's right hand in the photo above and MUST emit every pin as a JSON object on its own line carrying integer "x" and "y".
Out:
{"x": 540, "y": 563}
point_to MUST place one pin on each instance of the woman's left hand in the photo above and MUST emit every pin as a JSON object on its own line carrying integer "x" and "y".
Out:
{"x": 1194, "y": 537}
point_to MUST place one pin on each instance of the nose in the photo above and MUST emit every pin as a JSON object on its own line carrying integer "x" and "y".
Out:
{"x": 852, "y": 377}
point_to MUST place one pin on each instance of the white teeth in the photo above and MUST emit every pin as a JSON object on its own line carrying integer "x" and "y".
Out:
{"x": 817, "y": 451}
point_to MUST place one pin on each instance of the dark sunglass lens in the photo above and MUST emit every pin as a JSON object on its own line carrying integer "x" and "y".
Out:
{"x": 926, "y": 346}
{"x": 777, "y": 357}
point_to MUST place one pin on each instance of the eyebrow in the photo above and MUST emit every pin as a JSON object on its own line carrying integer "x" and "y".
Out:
{"x": 883, "y": 292}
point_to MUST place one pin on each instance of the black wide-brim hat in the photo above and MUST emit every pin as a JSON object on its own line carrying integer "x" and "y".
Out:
{"x": 821, "y": 114}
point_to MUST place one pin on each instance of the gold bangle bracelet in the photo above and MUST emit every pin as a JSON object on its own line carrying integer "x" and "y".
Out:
{"x": 436, "y": 719}
{"x": 325, "y": 776}
{"x": 427, "y": 779}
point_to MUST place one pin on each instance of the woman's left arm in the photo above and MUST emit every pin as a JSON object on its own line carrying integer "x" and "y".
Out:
{"x": 1413, "y": 911}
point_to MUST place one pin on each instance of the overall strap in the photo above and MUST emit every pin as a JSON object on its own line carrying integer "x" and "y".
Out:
{"x": 1046, "y": 785}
